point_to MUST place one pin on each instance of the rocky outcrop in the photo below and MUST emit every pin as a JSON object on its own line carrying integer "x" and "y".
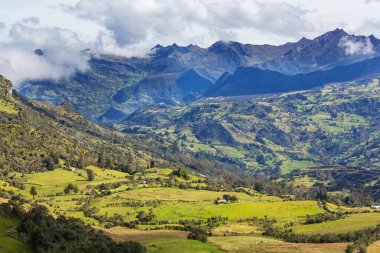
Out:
{"x": 5, "y": 87}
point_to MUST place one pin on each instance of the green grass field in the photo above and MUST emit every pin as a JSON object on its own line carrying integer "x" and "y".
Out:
{"x": 352, "y": 222}
{"x": 289, "y": 165}
{"x": 7, "y": 244}
{"x": 183, "y": 246}
{"x": 172, "y": 204}
{"x": 258, "y": 244}
{"x": 175, "y": 194}
{"x": 285, "y": 211}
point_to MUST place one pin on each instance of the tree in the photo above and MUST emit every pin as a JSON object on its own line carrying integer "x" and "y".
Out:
{"x": 33, "y": 191}
{"x": 75, "y": 190}
{"x": 322, "y": 194}
{"x": 230, "y": 198}
{"x": 49, "y": 163}
{"x": 90, "y": 175}
{"x": 144, "y": 217}
{"x": 196, "y": 233}
{"x": 260, "y": 159}
{"x": 70, "y": 187}
{"x": 181, "y": 173}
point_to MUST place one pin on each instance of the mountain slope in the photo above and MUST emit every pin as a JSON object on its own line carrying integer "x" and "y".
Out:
{"x": 334, "y": 125}
{"x": 33, "y": 134}
{"x": 331, "y": 49}
{"x": 128, "y": 84}
{"x": 250, "y": 81}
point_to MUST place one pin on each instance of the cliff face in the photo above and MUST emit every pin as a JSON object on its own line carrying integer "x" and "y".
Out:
{"x": 5, "y": 87}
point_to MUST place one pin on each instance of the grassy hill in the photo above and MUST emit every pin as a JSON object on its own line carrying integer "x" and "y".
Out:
{"x": 36, "y": 136}
{"x": 333, "y": 125}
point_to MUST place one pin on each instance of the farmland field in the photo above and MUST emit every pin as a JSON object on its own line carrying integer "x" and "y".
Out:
{"x": 122, "y": 234}
{"x": 352, "y": 222}
{"x": 116, "y": 194}
{"x": 252, "y": 244}
{"x": 183, "y": 246}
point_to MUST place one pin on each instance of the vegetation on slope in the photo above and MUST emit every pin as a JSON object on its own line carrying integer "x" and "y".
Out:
{"x": 334, "y": 125}
{"x": 35, "y": 137}
{"x": 44, "y": 233}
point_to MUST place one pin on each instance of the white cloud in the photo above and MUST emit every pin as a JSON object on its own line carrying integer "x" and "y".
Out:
{"x": 44, "y": 36}
{"x": 130, "y": 24}
{"x": 62, "y": 54}
{"x": 356, "y": 47}
{"x": 31, "y": 21}
{"x": 106, "y": 44}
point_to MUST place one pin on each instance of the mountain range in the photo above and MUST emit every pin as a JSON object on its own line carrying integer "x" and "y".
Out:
{"x": 115, "y": 87}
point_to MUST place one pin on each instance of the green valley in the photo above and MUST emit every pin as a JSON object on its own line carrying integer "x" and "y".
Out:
{"x": 278, "y": 133}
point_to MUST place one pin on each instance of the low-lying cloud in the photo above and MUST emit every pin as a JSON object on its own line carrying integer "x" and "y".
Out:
{"x": 20, "y": 64}
{"x": 353, "y": 47}
{"x": 61, "y": 57}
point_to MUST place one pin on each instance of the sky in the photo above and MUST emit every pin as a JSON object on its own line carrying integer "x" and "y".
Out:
{"x": 130, "y": 28}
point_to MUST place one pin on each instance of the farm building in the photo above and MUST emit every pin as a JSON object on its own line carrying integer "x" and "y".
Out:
{"x": 220, "y": 201}
{"x": 375, "y": 207}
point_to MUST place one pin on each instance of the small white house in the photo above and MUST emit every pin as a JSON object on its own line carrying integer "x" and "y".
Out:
{"x": 220, "y": 201}
{"x": 375, "y": 207}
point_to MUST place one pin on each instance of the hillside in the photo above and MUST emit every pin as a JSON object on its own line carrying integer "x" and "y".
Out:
{"x": 36, "y": 136}
{"x": 337, "y": 124}
{"x": 251, "y": 81}
{"x": 161, "y": 207}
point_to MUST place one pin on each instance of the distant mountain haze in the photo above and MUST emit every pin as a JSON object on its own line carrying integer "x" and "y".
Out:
{"x": 114, "y": 86}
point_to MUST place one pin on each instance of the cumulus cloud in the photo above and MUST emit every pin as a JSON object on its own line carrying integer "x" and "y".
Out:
{"x": 44, "y": 36}
{"x": 62, "y": 55}
{"x": 356, "y": 47}
{"x": 131, "y": 24}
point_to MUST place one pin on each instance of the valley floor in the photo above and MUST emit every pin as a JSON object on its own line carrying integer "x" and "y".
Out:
{"x": 115, "y": 198}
